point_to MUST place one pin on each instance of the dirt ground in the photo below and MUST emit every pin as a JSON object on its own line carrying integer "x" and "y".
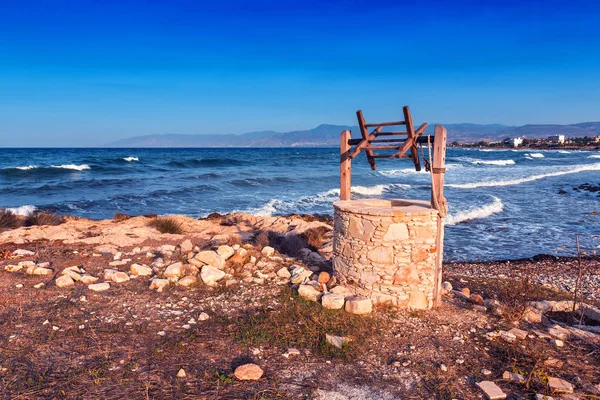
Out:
{"x": 130, "y": 342}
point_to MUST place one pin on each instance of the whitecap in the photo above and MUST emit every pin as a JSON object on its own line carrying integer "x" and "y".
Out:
{"x": 27, "y": 167}
{"x": 23, "y": 210}
{"x": 130, "y": 159}
{"x": 594, "y": 156}
{"x": 494, "y": 162}
{"x": 72, "y": 166}
{"x": 574, "y": 170}
{"x": 563, "y": 152}
{"x": 535, "y": 155}
{"x": 484, "y": 211}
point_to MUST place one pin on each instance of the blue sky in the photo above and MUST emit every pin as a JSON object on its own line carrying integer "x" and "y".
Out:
{"x": 85, "y": 73}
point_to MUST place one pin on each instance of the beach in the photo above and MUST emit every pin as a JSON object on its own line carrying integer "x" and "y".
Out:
{"x": 148, "y": 311}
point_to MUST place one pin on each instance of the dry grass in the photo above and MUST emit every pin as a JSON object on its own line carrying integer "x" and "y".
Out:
{"x": 43, "y": 218}
{"x": 8, "y": 219}
{"x": 303, "y": 324}
{"x": 121, "y": 217}
{"x": 316, "y": 237}
{"x": 167, "y": 225}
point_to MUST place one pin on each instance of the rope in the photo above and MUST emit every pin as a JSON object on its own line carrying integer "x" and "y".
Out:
{"x": 439, "y": 204}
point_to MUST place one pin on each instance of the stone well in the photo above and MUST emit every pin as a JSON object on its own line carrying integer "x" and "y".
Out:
{"x": 386, "y": 250}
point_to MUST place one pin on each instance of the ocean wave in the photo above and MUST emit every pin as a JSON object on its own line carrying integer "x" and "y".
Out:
{"x": 576, "y": 169}
{"x": 205, "y": 162}
{"x": 563, "y": 152}
{"x": 130, "y": 159}
{"x": 534, "y": 155}
{"x": 74, "y": 167}
{"x": 594, "y": 156}
{"x": 405, "y": 171}
{"x": 306, "y": 203}
{"x": 23, "y": 210}
{"x": 260, "y": 181}
{"x": 494, "y": 162}
{"x": 484, "y": 211}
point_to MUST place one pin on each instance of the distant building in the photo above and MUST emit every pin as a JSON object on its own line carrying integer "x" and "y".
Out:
{"x": 516, "y": 142}
{"x": 557, "y": 138}
{"x": 596, "y": 139}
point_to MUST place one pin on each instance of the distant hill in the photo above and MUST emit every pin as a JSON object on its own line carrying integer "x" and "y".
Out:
{"x": 328, "y": 136}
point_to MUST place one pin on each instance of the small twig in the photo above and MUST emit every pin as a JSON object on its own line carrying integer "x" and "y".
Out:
{"x": 579, "y": 272}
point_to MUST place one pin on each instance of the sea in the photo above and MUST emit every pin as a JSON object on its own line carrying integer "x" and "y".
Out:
{"x": 503, "y": 204}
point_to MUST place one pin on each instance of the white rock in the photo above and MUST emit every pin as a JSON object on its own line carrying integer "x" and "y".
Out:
{"x": 174, "y": 270}
{"x": 284, "y": 273}
{"x": 87, "y": 279}
{"x": 309, "y": 292}
{"x": 209, "y": 257}
{"x": 19, "y": 285}
{"x": 119, "y": 277}
{"x": 64, "y": 281}
{"x": 358, "y": 305}
{"x": 181, "y": 373}
{"x": 225, "y": 251}
{"x": 13, "y": 268}
{"x": 186, "y": 246}
{"x": 560, "y": 385}
{"x": 140, "y": 270}
{"x": 159, "y": 284}
{"x": 108, "y": 273}
{"x": 211, "y": 275}
{"x": 267, "y": 251}
{"x": 203, "y": 316}
{"x": 22, "y": 253}
{"x": 42, "y": 271}
{"x": 39, "y": 285}
{"x": 187, "y": 281}
{"x": 491, "y": 390}
{"x": 300, "y": 276}
{"x": 513, "y": 377}
{"x": 166, "y": 248}
{"x": 99, "y": 287}
{"x": 342, "y": 290}
{"x": 291, "y": 352}
{"x": 117, "y": 263}
{"x": 333, "y": 301}
{"x": 337, "y": 341}
{"x": 72, "y": 273}
{"x": 117, "y": 256}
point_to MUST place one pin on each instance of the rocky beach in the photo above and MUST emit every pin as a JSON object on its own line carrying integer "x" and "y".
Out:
{"x": 240, "y": 306}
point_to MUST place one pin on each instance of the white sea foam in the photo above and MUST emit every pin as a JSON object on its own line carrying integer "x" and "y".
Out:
{"x": 535, "y": 155}
{"x": 275, "y": 206}
{"x": 130, "y": 159}
{"x": 27, "y": 167}
{"x": 72, "y": 166}
{"x": 563, "y": 152}
{"x": 594, "y": 156}
{"x": 23, "y": 210}
{"x": 494, "y": 162}
{"x": 574, "y": 170}
{"x": 484, "y": 211}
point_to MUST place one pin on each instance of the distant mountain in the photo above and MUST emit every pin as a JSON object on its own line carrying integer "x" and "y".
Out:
{"x": 328, "y": 136}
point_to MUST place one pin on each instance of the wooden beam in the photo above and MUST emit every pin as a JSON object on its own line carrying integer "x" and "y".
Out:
{"x": 414, "y": 151}
{"x": 366, "y": 137}
{"x": 345, "y": 166}
{"x": 386, "y": 124}
{"x": 437, "y": 197}
{"x": 391, "y": 133}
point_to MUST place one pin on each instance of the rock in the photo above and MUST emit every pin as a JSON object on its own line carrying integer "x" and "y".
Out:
{"x": 108, "y": 273}
{"x": 239, "y": 257}
{"x": 117, "y": 255}
{"x": 267, "y": 251}
{"x": 140, "y": 270}
{"x": 553, "y": 362}
{"x": 117, "y": 263}
{"x": 466, "y": 292}
{"x": 166, "y": 248}
{"x": 99, "y": 287}
{"x": 337, "y": 341}
{"x": 300, "y": 275}
{"x": 119, "y": 277}
{"x": 248, "y": 372}
{"x": 159, "y": 284}
{"x": 558, "y": 332}
{"x": 560, "y": 385}
{"x": 284, "y": 273}
{"x": 519, "y": 333}
{"x": 178, "y": 270}
{"x": 291, "y": 352}
{"x": 486, "y": 372}
{"x": 186, "y": 246}
{"x": 13, "y": 268}
{"x": 209, "y": 257}
{"x": 333, "y": 301}
{"x": 181, "y": 372}
{"x": 42, "y": 271}
{"x": 558, "y": 343}
{"x": 73, "y": 273}
{"x": 444, "y": 368}
{"x": 203, "y": 316}
{"x": 39, "y": 285}
{"x": 446, "y": 287}
{"x": 309, "y": 292}
{"x": 225, "y": 251}
{"x": 87, "y": 279}
{"x": 211, "y": 275}
{"x": 476, "y": 298}
{"x": 491, "y": 390}
{"x": 358, "y": 305}
{"x": 539, "y": 396}
{"x": 22, "y": 253}
{"x": 512, "y": 377}
{"x": 342, "y": 290}
{"x": 507, "y": 336}
{"x": 64, "y": 281}
{"x": 187, "y": 281}
{"x": 324, "y": 277}
{"x": 396, "y": 232}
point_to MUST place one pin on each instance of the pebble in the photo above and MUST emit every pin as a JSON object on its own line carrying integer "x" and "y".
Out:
{"x": 513, "y": 377}
{"x": 203, "y": 316}
{"x": 267, "y": 251}
{"x": 19, "y": 285}
{"x": 248, "y": 372}
{"x": 560, "y": 385}
{"x": 181, "y": 372}
{"x": 486, "y": 372}
{"x": 291, "y": 352}
{"x": 39, "y": 285}
{"x": 444, "y": 368}
{"x": 491, "y": 390}
{"x": 99, "y": 287}
{"x": 64, "y": 281}
{"x": 284, "y": 273}
{"x": 337, "y": 341}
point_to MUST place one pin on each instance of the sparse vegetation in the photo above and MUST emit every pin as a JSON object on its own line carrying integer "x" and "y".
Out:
{"x": 43, "y": 218}
{"x": 316, "y": 237}
{"x": 8, "y": 219}
{"x": 167, "y": 225}
{"x": 121, "y": 217}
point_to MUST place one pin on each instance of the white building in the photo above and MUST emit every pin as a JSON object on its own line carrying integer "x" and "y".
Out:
{"x": 557, "y": 138}
{"x": 516, "y": 142}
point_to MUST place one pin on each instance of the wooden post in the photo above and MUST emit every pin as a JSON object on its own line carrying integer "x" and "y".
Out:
{"x": 345, "y": 165}
{"x": 437, "y": 196}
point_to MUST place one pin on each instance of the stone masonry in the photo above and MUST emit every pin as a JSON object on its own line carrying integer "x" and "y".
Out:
{"x": 385, "y": 250}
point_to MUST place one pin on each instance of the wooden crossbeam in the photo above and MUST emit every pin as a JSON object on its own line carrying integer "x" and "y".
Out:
{"x": 385, "y": 123}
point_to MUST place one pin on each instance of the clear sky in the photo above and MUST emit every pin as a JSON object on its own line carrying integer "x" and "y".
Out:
{"x": 85, "y": 73}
